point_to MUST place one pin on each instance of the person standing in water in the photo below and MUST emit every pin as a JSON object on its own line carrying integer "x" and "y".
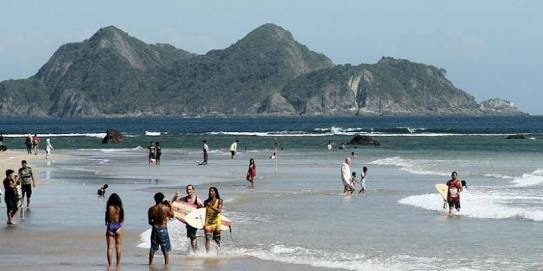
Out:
{"x": 10, "y": 195}
{"x": 27, "y": 182}
{"x": 114, "y": 217}
{"x": 48, "y": 148}
{"x": 251, "y": 173}
{"x": 329, "y": 146}
{"x": 28, "y": 144}
{"x": 453, "y": 192}
{"x": 233, "y": 149}
{"x": 205, "y": 149}
{"x": 152, "y": 153}
{"x": 158, "y": 153}
{"x": 363, "y": 177}
{"x": 346, "y": 176}
{"x": 35, "y": 143}
{"x": 158, "y": 216}
{"x": 195, "y": 202}
{"x": 212, "y": 225}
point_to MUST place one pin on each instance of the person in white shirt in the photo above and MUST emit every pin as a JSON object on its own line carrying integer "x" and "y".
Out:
{"x": 233, "y": 149}
{"x": 48, "y": 148}
{"x": 329, "y": 146}
{"x": 346, "y": 176}
{"x": 363, "y": 177}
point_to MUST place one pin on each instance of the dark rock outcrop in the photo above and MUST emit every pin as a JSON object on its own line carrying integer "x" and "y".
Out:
{"x": 364, "y": 140}
{"x": 112, "y": 136}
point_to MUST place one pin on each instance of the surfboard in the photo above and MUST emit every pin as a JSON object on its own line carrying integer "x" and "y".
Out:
{"x": 442, "y": 189}
{"x": 181, "y": 209}
{"x": 196, "y": 219}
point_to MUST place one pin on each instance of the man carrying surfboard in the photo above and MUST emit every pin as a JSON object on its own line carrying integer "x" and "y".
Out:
{"x": 453, "y": 193}
{"x": 195, "y": 202}
{"x": 212, "y": 226}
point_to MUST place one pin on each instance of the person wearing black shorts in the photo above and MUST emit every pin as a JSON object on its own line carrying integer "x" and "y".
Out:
{"x": 10, "y": 195}
{"x": 193, "y": 200}
{"x": 27, "y": 181}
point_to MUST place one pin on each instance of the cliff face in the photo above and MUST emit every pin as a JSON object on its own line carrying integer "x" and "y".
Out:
{"x": 267, "y": 72}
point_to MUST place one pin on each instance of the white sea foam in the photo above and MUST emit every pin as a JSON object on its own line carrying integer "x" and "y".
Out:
{"x": 529, "y": 179}
{"x": 498, "y": 176}
{"x": 413, "y": 166}
{"x": 480, "y": 204}
{"x": 97, "y": 135}
{"x": 150, "y": 133}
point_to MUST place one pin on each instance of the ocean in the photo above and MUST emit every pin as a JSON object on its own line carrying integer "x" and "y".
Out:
{"x": 296, "y": 214}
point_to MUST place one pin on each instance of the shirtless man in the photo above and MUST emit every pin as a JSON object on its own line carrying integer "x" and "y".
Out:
{"x": 158, "y": 216}
{"x": 196, "y": 202}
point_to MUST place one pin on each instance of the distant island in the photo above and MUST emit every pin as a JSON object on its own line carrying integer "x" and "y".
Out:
{"x": 268, "y": 72}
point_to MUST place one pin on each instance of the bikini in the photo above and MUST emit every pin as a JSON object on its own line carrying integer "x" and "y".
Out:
{"x": 114, "y": 227}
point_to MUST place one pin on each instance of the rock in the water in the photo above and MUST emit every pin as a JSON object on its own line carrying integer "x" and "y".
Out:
{"x": 516, "y": 137}
{"x": 364, "y": 140}
{"x": 112, "y": 136}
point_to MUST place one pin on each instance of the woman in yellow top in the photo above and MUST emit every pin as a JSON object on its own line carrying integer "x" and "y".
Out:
{"x": 212, "y": 225}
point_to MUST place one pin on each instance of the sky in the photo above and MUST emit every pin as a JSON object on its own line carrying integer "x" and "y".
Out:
{"x": 489, "y": 48}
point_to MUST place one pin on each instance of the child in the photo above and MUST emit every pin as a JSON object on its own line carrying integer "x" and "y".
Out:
{"x": 353, "y": 180}
{"x": 363, "y": 177}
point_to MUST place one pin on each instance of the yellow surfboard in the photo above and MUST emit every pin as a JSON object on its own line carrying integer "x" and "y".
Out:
{"x": 443, "y": 190}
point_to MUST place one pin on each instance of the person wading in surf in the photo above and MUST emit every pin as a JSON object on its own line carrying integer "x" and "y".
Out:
{"x": 158, "y": 216}
{"x": 212, "y": 226}
{"x": 453, "y": 192}
{"x": 193, "y": 200}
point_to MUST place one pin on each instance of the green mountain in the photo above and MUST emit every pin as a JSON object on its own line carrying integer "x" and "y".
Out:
{"x": 266, "y": 73}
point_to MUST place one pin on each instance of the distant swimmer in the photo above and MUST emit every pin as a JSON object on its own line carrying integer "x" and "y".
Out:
{"x": 158, "y": 216}
{"x": 212, "y": 225}
{"x": 10, "y": 195}
{"x": 353, "y": 155}
{"x": 363, "y": 177}
{"x": 251, "y": 173}
{"x": 273, "y": 156}
{"x": 346, "y": 176}
{"x": 329, "y": 146}
{"x": 234, "y": 149}
{"x": 453, "y": 194}
{"x": 48, "y": 148}
{"x": 102, "y": 190}
{"x": 27, "y": 182}
{"x": 194, "y": 201}
{"x": 114, "y": 233}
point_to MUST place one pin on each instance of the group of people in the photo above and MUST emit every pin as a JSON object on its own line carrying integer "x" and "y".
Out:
{"x": 158, "y": 216}
{"x": 16, "y": 189}
{"x": 155, "y": 152}
{"x": 32, "y": 144}
{"x": 349, "y": 179}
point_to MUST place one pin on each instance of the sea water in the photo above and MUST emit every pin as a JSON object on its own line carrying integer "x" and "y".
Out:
{"x": 296, "y": 213}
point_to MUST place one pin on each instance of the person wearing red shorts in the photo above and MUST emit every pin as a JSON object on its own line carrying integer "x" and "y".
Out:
{"x": 453, "y": 192}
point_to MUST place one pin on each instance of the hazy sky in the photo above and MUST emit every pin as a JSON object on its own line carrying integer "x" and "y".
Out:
{"x": 489, "y": 48}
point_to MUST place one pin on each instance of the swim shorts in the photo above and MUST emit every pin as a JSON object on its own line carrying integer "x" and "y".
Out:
{"x": 191, "y": 232}
{"x": 160, "y": 237}
{"x": 27, "y": 190}
{"x": 454, "y": 203}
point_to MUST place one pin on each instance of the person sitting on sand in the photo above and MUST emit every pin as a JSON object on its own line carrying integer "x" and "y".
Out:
{"x": 453, "y": 192}
{"x": 212, "y": 225}
{"x": 102, "y": 190}
{"x": 10, "y": 195}
{"x": 195, "y": 202}
{"x": 158, "y": 216}
{"x": 114, "y": 218}
{"x": 346, "y": 176}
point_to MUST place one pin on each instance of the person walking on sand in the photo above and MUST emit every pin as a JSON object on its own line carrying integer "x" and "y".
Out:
{"x": 212, "y": 225}
{"x": 234, "y": 149}
{"x": 35, "y": 144}
{"x": 453, "y": 192}
{"x": 114, "y": 218}
{"x": 48, "y": 148}
{"x": 158, "y": 216}
{"x": 251, "y": 173}
{"x": 28, "y": 144}
{"x": 346, "y": 176}
{"x": 10, "y": 195}
{"x": 27, "y": 182}
{"x": 195, "y": 202}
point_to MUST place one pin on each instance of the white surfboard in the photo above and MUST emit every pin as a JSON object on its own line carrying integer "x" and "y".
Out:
{"x": 443, "y": 190}
{"x": 181, "y": 209}
{"x": 197, "y": 218}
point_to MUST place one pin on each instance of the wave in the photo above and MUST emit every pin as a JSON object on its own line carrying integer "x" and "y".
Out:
{"x": 411, "y": 166}
{"x": 97, "y": 135}
{"x": 150, "y": 133}
{"x": 529, "y": 179}
{"x": 479, "y": 205}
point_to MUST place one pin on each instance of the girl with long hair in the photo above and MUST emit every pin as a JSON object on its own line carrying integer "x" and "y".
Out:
{"x": 212, "y": 226}
{"x": 251, "y": 173}
{"x": 114, "y": 217}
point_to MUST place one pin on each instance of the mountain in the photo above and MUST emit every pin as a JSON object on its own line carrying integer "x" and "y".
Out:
{"x": 268, "y": 72}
